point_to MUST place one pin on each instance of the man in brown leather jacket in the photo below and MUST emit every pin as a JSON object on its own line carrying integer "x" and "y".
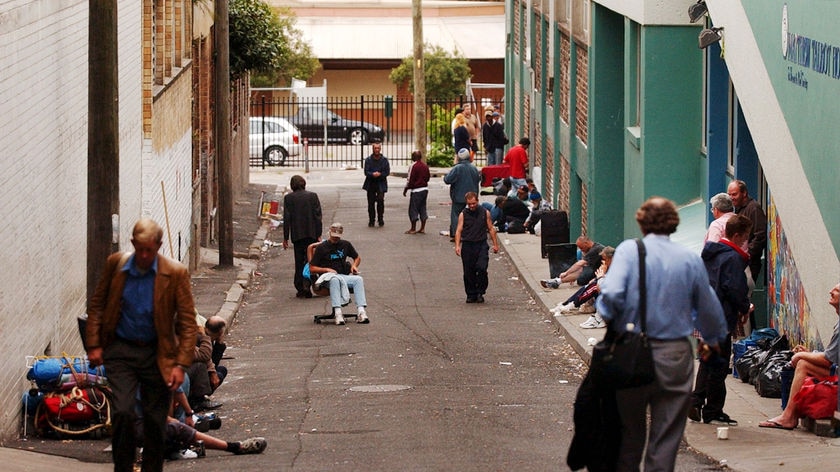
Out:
{"x": 141, "y": 326}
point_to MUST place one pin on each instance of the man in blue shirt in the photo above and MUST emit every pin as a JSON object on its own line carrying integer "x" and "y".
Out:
{"x": 141, "y": 326}
{"x": 679, "y": 299}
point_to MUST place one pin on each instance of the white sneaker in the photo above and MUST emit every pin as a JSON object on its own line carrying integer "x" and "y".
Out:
{"x": 185, "y": 454}
{"x": 594, "y": 321}
{"x": 362, "y": 316}
{"x": 567, "y": 308}
{"x": 339, "y": 317}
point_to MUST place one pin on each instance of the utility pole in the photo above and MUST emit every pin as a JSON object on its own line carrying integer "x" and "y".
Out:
{"x": 103, "y": 184}
{"x": 419, "y": 78}
{"x": 221, "y": 135}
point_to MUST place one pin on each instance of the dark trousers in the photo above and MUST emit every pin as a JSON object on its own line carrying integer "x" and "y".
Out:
{"x": 710, "y": 388}
{"x": 475, "y": 258}
{"x": 199, "y": 383}
{"x": 131, "y": 367}
{"x": 376, "y": 203}
{"x": 417, "y": 206}
{"x": 301, "y": 283}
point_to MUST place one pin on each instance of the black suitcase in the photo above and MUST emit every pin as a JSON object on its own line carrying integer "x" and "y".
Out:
{"x": 554, "y": 242}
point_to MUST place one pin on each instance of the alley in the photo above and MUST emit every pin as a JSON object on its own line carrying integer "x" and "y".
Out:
{"x": 430, "y": 384}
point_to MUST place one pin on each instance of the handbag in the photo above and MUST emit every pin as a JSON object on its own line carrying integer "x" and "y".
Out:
{"x": 817, "y": 398}
{"x": 625, "y": 360}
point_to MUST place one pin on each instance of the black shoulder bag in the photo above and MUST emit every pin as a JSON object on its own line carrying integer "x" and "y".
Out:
{"x": 624, "y": 360}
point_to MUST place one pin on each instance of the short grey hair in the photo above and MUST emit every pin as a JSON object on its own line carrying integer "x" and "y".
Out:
{"x": 722, "y": 203}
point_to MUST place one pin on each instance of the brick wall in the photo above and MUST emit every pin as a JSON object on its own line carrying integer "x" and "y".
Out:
{"x": 43, "y": 182}
{"x": 565, "y": 61}
{"x": 582, "y": 110}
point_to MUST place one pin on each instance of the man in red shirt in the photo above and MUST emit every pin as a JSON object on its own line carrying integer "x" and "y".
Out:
{"x": 517, "y": 159}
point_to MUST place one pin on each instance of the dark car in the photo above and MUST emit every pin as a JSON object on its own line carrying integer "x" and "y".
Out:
{"x": 311, "y": 120}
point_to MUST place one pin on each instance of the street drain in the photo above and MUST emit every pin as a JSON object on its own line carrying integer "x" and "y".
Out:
{"x": 379, "y": 388}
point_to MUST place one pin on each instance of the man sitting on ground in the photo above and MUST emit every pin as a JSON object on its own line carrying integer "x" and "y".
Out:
{"x": 581, "y": 271}
{"x": 329, "y": 264}
{"x": 809, "y": 364}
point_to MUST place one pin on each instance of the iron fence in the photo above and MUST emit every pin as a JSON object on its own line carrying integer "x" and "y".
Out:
{"x": 349, "y": 125}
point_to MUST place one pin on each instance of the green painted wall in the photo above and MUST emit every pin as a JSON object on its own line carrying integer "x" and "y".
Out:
{"x": 806, "y": 81}
{"x": 671, "y": 112}
{"x": 606, "y": 127}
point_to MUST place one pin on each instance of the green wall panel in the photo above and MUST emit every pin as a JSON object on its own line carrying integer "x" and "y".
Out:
{"x": 671, "y": 111}
{"x": 806, "y": 80}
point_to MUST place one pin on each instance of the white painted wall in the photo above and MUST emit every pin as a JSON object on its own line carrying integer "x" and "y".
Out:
{"x": 651, "y": 12}
{"x": 43, "y": 186}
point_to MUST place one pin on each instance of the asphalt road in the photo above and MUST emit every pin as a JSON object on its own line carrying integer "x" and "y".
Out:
{"x": 431, "y": 384}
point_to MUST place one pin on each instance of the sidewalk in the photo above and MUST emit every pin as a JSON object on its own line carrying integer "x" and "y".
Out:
{"x": 749, "y": 448}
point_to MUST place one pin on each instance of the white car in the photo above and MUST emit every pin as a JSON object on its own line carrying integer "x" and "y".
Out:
{"x": 273, "y": 139}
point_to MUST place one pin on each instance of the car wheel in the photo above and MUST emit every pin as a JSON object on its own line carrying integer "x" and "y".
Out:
{"x": 358, "y": 136}
{"x": 275, "y": 156}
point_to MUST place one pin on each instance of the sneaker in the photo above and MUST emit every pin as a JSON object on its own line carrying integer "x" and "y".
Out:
{"x": 185, "y": 454}
{"x": 550, "y": 283}
{"x": 567, "y": 308}
{"x": 721, "y": 419}
{"x": 199, "y": 448}
{"x": 694, "y": 414}
{"x": 593, "y": 322}
{"x": 587, "y": 309}
{"x": 252, "y": 446}
{"x": 362, "y": 317}
{"x": 339, "y": 317}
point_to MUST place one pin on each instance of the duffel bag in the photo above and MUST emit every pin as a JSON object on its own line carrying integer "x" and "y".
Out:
{"x": 61, "y": 373}
{"x": 74, "y": 412}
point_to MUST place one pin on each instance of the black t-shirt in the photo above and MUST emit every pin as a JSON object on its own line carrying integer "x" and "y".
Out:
{"x": 334, "y": 255}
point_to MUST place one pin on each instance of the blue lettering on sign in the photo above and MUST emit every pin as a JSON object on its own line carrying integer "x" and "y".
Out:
{"x": 797, "y": 78}
{"x": 821, "y": 57}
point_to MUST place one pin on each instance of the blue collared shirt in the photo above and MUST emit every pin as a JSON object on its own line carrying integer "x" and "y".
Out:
{"x": 679, "y": 296}
{"x": 137, "y": 321}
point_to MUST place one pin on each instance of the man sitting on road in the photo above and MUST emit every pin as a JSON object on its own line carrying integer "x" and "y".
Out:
{"x": 329, "y": 264}
{"x": 809, "y": 364}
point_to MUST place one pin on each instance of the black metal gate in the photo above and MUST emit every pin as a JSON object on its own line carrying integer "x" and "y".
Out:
{"x": 349, "y": 125}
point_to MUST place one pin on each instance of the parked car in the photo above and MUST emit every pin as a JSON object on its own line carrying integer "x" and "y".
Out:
{"x": 310, "y": 121}
{"x": 274, "y": 139}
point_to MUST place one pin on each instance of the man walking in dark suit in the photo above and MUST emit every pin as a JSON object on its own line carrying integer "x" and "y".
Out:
{"x": 301, "y": 224}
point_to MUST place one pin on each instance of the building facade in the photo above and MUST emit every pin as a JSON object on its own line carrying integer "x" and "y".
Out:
{"x": 621, "y": 104}
{"x": 44, "y": 91}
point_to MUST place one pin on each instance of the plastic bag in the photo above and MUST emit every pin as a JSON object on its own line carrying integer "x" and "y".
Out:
{"x": 817, "y": 398}
{"x": 769, "y": 381}
{"x": 745, "y": 363}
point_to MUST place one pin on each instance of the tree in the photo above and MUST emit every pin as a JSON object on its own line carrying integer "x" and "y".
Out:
{"x": 445, "y": 74}
{"x": 265, "y": 42}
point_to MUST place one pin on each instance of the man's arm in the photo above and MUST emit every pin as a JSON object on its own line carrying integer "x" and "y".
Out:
{"x": 386, "y": 168}
{"x": 354, "y": 267}
{"x": 492, "y": 230}
{"x": 458, "y": 230}
{"x": 759, "y": 240}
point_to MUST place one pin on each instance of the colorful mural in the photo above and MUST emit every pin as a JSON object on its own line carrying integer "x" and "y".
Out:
{"x": 788, "y": 308}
